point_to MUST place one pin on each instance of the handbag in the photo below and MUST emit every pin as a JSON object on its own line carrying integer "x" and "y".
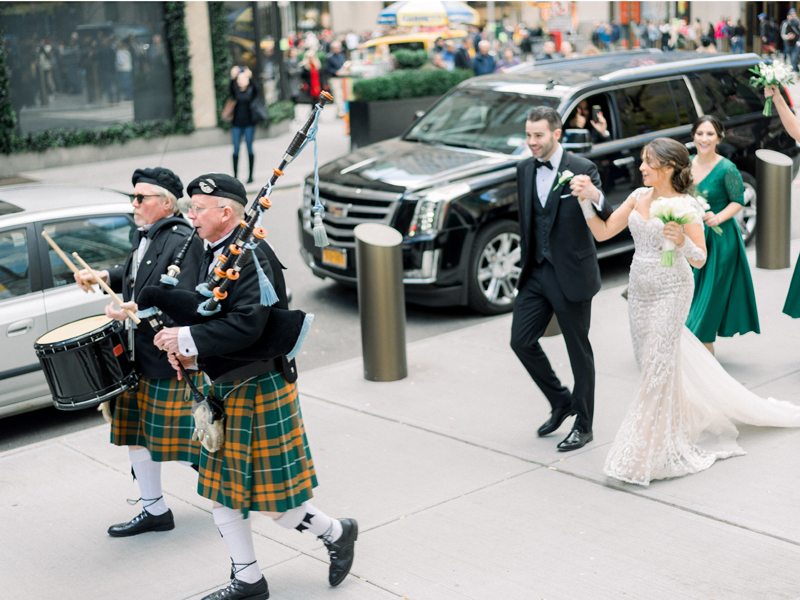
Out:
{"x": 257, "y": 111}
{"x": 227, "y": 110}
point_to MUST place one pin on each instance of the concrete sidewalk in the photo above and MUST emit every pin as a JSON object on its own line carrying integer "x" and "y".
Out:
{"x": 455, "y": 495}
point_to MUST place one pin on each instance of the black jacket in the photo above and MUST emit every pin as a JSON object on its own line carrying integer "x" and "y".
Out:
{"x": 241, "y": 320}
{"x": 571, "y": 242}
{"x": 167, "y": 237}
{"x": 242, "y": 115}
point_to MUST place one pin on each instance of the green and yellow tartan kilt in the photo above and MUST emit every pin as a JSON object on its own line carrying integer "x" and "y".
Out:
{"x": 265, "y": 463}
{"x": 158, "y": 416}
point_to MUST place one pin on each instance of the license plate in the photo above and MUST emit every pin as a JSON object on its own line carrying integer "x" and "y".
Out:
{"x": 334, "y": 257}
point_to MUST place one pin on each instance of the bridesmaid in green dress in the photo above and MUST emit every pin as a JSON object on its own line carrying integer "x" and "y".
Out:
{"x": 724, "y": 302}
{"x": 792, "y": 125}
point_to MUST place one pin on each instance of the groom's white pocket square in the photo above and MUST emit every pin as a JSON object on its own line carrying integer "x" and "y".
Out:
{"x": 566, "y": 195}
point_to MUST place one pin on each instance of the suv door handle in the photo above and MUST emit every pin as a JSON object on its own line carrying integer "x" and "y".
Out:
{"x": 19, "y": 328}
{"x": 690, "y": 145}
{"x": 622, "y": 162}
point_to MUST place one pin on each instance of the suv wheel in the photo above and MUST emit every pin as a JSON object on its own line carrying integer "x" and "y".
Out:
{"x": 494, "y": 268}
{"x": 746, "y": 218}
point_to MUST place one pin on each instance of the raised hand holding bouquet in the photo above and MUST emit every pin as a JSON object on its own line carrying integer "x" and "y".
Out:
{"x": 681, "y": 210}
{"x": 774, "y": 74}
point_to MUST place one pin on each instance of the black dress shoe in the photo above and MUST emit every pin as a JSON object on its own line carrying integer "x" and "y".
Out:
{"x": 342, "y": 551}
{"x": 142, "y": 523}
{"x": 239, "y": 590}
{"x": 576, "y": 439}
{"x": 556, "y": 419}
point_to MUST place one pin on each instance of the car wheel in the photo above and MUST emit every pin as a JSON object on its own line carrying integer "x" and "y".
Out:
{"x": 494, "y": 268}
{"x": 746, "y": 218}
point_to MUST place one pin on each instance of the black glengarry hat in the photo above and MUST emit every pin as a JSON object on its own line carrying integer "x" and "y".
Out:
{"x": 220, "y": 185}
{"x": 161, "y": 177}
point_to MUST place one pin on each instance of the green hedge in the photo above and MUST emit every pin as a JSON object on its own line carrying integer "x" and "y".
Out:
{"x": 182, "y": 121}
{"x": 410, "y": 59}
{"x": 8, "y": 120}
{"x": 408, "y": 84}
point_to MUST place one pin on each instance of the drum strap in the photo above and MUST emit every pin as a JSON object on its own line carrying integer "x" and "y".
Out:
{"x": 138, "y": 254}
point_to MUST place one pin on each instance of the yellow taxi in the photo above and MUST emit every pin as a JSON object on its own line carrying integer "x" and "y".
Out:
{"x": 412, "y": 41}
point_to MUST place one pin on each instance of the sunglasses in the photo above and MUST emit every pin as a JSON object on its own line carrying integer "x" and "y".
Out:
{"x": 140, "y": 197}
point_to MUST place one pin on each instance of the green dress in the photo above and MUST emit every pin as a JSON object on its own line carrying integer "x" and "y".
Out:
{"x": 792, "y": 306}
{"x": 724, "y": 301}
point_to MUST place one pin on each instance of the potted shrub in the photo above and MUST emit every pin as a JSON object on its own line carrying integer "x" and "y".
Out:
{"x": 386, "y": 106}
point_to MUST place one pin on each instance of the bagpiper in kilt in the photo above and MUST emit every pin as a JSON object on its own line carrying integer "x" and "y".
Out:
{"x": 154, "y": 420}
{"x": 264, "y": 464}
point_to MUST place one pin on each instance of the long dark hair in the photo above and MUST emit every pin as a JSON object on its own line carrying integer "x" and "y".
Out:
{"x": 666, "y": 152}
{"x": 719, "y": 128}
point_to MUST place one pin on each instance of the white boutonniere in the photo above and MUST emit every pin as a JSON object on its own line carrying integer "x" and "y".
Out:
{"x": 564, "y": 178}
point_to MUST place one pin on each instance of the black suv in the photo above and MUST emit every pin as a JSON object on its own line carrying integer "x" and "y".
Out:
{"x": 449, "y": 183}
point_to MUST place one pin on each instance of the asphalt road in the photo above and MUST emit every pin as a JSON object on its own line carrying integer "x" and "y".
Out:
{"x": 335, "y": 336}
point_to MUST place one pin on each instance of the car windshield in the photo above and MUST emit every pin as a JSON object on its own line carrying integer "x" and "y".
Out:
{"x": 480, "y": 119}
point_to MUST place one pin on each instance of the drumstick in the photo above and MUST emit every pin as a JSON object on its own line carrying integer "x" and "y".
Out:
{"x": 63, "y": 256}
{"x": 108, "y": 290}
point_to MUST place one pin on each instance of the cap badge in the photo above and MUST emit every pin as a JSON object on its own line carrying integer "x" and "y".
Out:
{"x": 207, "y": 185}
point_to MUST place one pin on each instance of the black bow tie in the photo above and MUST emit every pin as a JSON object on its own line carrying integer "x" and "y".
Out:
{"x": 138, "y": 235}
{"x": 542, "y": 163}
{"x": 208, "y": 259}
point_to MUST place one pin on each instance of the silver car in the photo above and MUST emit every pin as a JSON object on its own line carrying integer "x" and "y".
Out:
{"x": 37, "y": 291}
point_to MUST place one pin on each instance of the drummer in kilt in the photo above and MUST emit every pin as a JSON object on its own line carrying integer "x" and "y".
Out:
{"x": 155, "y": 420}
{"x": 264, "y": 464}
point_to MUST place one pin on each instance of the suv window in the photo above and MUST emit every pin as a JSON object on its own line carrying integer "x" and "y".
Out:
{"x": 646, "y": 108}
{"x": 14, "y": 273}
{"x": 103, "y": 242}
{"x": 683, "y": 101}
{"x": 727, "y": 93}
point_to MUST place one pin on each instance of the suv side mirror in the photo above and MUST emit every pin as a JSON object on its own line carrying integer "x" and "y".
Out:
{"x": 577, "y": 140}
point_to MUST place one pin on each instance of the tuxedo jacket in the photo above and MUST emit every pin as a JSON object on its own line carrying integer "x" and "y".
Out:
{"x": 571, "y": 243}
{"x": 167, "y": 237}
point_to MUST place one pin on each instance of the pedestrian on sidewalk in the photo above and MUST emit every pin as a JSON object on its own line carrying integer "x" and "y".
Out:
{"x": 680, "y": 420}
{"x": 245, "y": 91}
{"x": 152, "y": 420}
{"x": 792, "y": 305}
{"x": 265, "y": 463}
{"x": 559, "y": 272}
{"x": 724, "y": 301}
{"x": 790, "y": 34}
{"x": 336, "y": 67}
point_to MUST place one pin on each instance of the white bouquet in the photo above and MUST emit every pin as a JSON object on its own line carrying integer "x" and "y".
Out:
{"x": 706, "y": 207}
{"x": 774, "y": 74}
{"x": 681, "y": 210}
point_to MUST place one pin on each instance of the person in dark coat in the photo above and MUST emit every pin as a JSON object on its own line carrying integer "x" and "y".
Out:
{"x": 244, "y": 90}
{"x": 264, "y": 463}
{"x": 559, "y": 272}
{"x": 153, "y": 420}
{"x": 484, "y": 62}
{"x": 462, "y": 59}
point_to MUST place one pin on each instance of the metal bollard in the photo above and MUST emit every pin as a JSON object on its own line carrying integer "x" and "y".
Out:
{"x": 381, "y": 301}
{"x": 773, "y": 219}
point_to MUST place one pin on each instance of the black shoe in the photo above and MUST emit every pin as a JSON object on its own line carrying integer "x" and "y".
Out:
{"x": 576, "y": 439}
{"x": 556, "y": 419}
{"x": 142, "y": 523}
{"x": 342, "y": 551}
{"x": 239, "y": 590}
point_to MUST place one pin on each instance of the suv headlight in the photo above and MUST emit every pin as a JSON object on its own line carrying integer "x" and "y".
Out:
{"x": 431, "y": 208}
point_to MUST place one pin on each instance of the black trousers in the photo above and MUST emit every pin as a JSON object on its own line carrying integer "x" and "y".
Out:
{"x": 539, "y": 298}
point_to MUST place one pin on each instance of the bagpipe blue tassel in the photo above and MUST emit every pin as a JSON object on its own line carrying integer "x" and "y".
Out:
{"x": 307, "y": 320}
{"x": 320, "y": 235}
{"x": 204, "y": 291}
{"x": 268, "y": 295}
{"x": 147, "y": 312}
{"x": 205, "y": 312}
{"x": 168, "y": 280}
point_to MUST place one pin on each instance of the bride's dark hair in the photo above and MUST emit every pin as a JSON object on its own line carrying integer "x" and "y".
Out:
{"x": 666, "y": 152}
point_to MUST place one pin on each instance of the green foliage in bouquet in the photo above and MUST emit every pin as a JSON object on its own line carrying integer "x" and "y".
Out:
{"x": 409, "y": 84}
{"x": 410, "y": 59}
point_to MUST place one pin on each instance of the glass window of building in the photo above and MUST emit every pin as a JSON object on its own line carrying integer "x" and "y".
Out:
{"x": 86, "y": 65}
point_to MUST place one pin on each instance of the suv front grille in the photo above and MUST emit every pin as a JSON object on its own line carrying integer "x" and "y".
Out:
{"x": 347, "y": 207}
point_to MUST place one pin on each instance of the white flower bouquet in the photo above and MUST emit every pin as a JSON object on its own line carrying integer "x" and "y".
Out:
{"x": 706, "y": 207}
{"x": 774, "y": 74}
{"x": 681, "y": 210}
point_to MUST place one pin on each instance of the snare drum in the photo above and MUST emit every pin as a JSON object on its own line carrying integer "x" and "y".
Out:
{"x": 85, "y": 362}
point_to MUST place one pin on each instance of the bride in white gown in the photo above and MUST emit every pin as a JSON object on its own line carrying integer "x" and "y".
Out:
{"x": 680, "y": 420}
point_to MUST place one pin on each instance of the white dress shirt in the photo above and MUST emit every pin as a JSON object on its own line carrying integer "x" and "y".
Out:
{"x": 546, "y": 179}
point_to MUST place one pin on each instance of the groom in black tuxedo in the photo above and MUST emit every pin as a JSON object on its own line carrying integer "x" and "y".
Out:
{"x": 560, "y": 273}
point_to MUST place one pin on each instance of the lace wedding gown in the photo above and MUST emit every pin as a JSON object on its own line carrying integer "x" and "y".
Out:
{"x": 680, "y": 420}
